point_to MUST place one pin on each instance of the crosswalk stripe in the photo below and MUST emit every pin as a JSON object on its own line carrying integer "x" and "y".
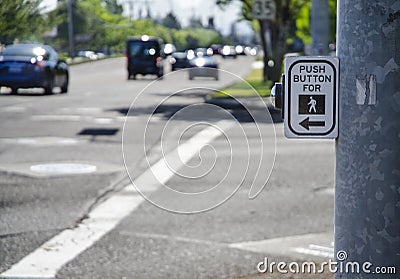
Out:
{"x": 49, "y": 258}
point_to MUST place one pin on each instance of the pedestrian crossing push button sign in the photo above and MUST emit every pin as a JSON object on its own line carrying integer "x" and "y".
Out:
{"x": 311, "y": 98}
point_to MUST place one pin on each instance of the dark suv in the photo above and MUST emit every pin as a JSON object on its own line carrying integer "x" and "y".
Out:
{"x": 144, "y": 55}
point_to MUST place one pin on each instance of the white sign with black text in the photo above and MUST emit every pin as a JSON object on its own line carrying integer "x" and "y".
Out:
{"x": 264, "y": 9}
{"x": 311, "y": 97}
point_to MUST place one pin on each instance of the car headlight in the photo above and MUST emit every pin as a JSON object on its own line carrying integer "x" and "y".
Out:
{"x": 200, "y": 62}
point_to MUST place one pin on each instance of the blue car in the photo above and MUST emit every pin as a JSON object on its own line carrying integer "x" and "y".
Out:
{"x": 31, "y": 66}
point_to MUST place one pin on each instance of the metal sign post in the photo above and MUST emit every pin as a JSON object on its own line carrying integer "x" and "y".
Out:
{"x": 367, "y": 183}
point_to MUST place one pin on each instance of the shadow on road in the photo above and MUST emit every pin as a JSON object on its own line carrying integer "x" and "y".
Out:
{"x": 200, "y": 112}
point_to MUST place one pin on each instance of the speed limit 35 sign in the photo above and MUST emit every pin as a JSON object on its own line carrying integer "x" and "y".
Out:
{"x": 264, "y": 9}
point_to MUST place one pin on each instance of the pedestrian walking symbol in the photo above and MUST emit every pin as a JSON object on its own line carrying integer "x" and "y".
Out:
{"x": 312, "y": 103}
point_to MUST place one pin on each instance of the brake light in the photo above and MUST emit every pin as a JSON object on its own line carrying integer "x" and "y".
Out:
{"x": 38, "y": 61}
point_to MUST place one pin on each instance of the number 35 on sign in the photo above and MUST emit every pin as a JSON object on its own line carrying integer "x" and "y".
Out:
{"x": 264, "y": 9}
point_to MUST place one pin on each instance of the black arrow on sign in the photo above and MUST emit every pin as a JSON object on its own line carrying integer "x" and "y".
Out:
{"x": 306, "y": 123}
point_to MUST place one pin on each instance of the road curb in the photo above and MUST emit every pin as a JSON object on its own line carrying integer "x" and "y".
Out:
{"x": 241, "y": 103}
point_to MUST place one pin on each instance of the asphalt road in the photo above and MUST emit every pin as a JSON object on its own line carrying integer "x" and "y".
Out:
{"x": 64, "y": 156}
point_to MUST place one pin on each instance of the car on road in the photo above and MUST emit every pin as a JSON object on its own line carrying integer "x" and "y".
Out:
{"x": 87, "y": 54}
{"x": 216, "y": 49}
{"x": 169, "y": 49}
{"x": 32, "y": 66}
{"x": 228, "y": 51}
{"x": 240, "y": 50}
{"x": 205, "y": 66}
{"x": 201, "y": 51}
{"x": 144, "y": 56}
{"x": 179, "y": 60}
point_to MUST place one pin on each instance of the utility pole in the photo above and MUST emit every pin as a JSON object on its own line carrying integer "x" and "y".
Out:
{"x": 367, "y": 191}
{"x": 130, "y": 9}
{"x": 70, "y": 30}
{"x": 320, "y": 27}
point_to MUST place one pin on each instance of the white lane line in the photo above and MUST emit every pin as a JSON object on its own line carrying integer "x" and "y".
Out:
{"x": 175, "y": 238}
{"x": 296, "y": 246}
{"x": 42, "y": 141}
{"x": 165, "y": 168}
{"x": 46, "y": 117}
{"x": 49, "y": 258}
{"x": 316, "y": 250}
{"x": 14, "y": 109}
{"x": 79, "y": 118}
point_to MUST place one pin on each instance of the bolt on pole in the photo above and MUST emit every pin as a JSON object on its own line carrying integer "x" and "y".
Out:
{"x": 367, "y": 186}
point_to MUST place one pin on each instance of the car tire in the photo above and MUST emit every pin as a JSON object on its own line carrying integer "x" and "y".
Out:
{"x": 64, "y": 87}
{"x": 160, "y": 75}
{"x": 14, "y": 90}
{"x": 48, "y": 90}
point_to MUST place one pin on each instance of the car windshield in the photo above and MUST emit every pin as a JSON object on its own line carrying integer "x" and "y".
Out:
{"x": 23, "y": 51}
{"x": 206, "y": 59}
{"x": 180, "y": 55}
{"x": 140, "y": 48}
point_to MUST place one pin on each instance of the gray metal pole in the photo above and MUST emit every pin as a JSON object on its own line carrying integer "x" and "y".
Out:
{"x": 320, "y": 27}
{"x": 367, "y": 192}
{"x": 70, "y": 30}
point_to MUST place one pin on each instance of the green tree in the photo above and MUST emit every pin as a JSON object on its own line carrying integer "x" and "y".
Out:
{"x": 170, "y": 21}
{"x": 278, "y": 29}
{"x": 195, "y": 22}
{"x": 59, "y": 18}
{"x": 303, "y": 22}
{"x": 287, "y": 11}
{"x": 114, "y": 7}
{"x": 96, "y": 27}
{"x": 20, "y": 19}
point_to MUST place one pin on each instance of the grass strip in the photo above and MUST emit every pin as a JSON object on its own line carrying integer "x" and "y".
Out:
{"x": 242, "y": 89}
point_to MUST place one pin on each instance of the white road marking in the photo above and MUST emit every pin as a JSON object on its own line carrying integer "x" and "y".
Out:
{"x": 316, "y": 250}
{"x": 43, "y": 141}
{"x": 58, "y": 117}
{"x": 63, "y": 168}
{"x": 77, "y": 118}
{"x": 103, "y": 120}
{"x": 49, "y": 258}
{"x": 59, "y": 168}
{"x": 308, "y": 246}
{"x": 174, "y": 238}
{"x": 14, "y": 109}
{"x": 82, "y": 110}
